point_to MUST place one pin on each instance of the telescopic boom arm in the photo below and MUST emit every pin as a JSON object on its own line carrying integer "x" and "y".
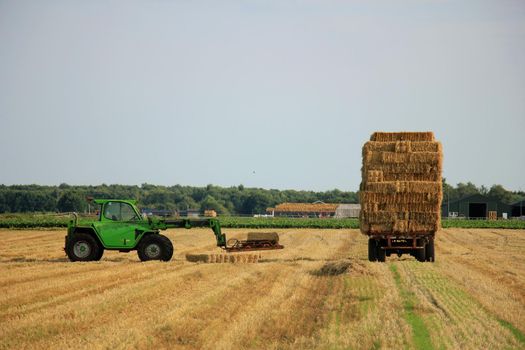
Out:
{"x": 190, "y": 223}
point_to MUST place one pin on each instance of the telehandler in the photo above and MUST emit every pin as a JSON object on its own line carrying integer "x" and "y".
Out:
{"x": 120, "y": 226}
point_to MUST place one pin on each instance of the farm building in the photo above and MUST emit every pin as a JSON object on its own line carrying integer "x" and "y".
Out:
{"x": 474, "y": 206}
{"x": 347, "y": 211}
{"x": 518, "y": 208}
{"x": 316, "y": 209}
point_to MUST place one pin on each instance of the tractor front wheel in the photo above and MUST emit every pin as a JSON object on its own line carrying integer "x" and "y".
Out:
{"x": 83, "y": 247}
{"x": 155, "y": 247}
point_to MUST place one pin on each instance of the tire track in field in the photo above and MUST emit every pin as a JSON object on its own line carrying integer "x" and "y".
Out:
{"x": 421, "y": 335}
{"x": 15, "y": 236}
{"x": 38, "y": 275}
{"x": 63, "y": 319}
{"x": 203, "y": 326}
{"x": 18, "y": 306}
{"x": 459, "y": 320}
{"x": 188, "y": 297}
{"x": 298, "y": 308}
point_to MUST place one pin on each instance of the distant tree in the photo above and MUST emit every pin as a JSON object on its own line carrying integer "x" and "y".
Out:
{"x": 449, "y": 192}
{"x": 256, "y": 202}
{"x": 500, "y": 193}
{"x": 483, "y": 190}
{"x": 71, "y": 201}
{"x": 467, "y": 189}
{"x": 210, "y": 203}
{"x": 186, "y": 203}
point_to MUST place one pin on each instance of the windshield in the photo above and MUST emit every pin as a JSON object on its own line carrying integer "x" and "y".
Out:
{"x": 118, "y": 211}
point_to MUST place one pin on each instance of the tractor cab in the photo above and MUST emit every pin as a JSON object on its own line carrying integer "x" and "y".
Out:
{"x": 118, "y": 210}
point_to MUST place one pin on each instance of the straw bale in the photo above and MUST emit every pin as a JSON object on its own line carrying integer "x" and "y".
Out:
{"x": 223, "y": 258}
{"x": 398, "y": 198}
{"x": 403, "y": 146}
{"x": 378, "y": 157}
{"x": 410, "y": 207}
{"x": 198, "y": 257}
{"x": 391, "y": 216}
{"x": 412, "y": 177}
{"x": 263, "y": 236}
{"x": 404, "y": 187}
{"x": 406, "y": 168}
{"x": 400, "y": 226}
{"x": 423, "y": 146}
{"x": 374, "y": 176}
{"x": 402, "y": 136}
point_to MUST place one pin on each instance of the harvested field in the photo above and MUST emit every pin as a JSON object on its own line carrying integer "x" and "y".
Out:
{"x": 318, "y": 292}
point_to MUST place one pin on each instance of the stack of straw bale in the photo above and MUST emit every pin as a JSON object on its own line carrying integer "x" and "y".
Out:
{"x": 223, "y": 258}
{"x": 401, "y": 186}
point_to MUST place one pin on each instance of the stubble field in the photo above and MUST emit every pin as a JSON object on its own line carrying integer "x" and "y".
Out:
{"x": 319, "y": 292}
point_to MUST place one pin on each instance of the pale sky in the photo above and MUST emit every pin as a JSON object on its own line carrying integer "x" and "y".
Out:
{"x": 272, "y": 94}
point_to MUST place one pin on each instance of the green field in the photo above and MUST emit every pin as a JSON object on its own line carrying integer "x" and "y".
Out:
{"x": 23, "y": 221}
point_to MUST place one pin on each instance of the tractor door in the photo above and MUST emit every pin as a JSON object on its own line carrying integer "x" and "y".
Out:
{"x": 118, "y": 224}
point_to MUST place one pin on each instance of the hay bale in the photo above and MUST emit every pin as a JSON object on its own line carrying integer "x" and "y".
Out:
{"x": 222, "y": 258}
{"x": 400, "y": 146}
{"x": 402, "y": 136}
{"x": 263, "y": 236}
{"x": 401, "y": 187}
{"x": 198, "y": 258}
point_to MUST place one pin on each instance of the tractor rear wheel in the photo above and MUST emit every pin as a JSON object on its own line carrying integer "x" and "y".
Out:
{"x": 83, "y": 247}
{"x": 420, "y": 254}
{"x": 155, "y": 247}
{"x": 381, "y": 254}
{"x": 372, "y": 252}
{"x": 430, "y": 251}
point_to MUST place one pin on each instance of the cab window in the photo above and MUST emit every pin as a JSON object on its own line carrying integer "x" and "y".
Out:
{"x": 117, "y": 211}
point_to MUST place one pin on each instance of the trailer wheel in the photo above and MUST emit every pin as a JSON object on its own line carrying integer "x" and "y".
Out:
{"x": 155, "y": 247}
{"x": 420, "y": 254}
{"x": 429, "y": 251}
{"x": 381, "y": 254}
{"x": 82, "y": 247}
{"x": 372, "y": 252}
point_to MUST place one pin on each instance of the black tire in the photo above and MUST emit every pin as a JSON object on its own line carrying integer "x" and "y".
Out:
{"x": 155, "y": 247}
{"x": 381, "y": 254}
{"x": 429, "y": 251}
{"x": 83, "y": 247}
{"x": 420, "y": 254}
{"x": 100, "y": 253}
{"x": 372, "y": 256}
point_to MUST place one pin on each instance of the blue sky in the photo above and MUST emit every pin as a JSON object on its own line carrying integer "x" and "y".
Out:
{"x": 269, "y": 94}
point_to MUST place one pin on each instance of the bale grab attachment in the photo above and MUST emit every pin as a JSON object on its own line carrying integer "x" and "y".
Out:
{"x": 255, "y": 240}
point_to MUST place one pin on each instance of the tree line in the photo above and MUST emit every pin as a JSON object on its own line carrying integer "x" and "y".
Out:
{"x": 225, "y": 200}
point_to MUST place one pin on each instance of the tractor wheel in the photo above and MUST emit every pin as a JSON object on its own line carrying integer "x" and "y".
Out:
{"x": 420, "y": 254}
{"x": 100, "y": 253}
{"x": 372, "y": 256}
{"x": 429, "y": 251}
{"x": 381, "y": 254}
{"x": 83, "y": 247}
{"x": 155, "y": 247}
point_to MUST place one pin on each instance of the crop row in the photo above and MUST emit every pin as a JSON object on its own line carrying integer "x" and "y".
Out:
{"x": 22, "y": 221}
{"x": 499, "y": 224}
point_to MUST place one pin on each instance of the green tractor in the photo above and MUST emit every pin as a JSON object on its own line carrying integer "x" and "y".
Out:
{"x": 120, "y": 226}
